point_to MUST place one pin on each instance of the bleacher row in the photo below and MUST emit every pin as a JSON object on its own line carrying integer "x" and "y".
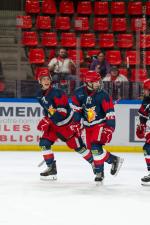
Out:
{"x": 99, "y": 25}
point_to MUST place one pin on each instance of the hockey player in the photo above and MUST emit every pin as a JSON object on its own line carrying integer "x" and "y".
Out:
{"x": 95, "y": 107}
{"x": 141, "y": 131}
{"x": 58, "y": 122}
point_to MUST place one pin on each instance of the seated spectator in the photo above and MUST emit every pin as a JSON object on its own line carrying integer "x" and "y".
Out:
{"x": 100, "y": 65}
{"x": 114, "y": 75}
{"x": 61, "y": 67}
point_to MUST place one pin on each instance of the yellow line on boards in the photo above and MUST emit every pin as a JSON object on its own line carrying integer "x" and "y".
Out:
{"x": 63, "y": 148}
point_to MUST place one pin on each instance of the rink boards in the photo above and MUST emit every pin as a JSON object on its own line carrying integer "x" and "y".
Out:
{"x": 19, "y": 118}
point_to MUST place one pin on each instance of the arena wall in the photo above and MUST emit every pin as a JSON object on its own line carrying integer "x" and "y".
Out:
{"x": 19, "y": 118}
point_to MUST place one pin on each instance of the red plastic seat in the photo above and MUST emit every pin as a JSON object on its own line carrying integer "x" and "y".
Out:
{"x": 41, "y": 71}
{"x": 68, "y": 40}
{"x": 101, "y": 24}
{"x": 29, "y": 38}
{"x": 148, "y": 8}
{"x": 131, "y": 57}
{"x": 113, "y": 57}
{"x": 83, "y": 71}
{"x": 106, "y": 40}
{"x": 125, "y": 40}
{"x": 49, "y": 7}
{"x": 88, "y": 40}
{"x": 81, "y": 23}
{"x": 43, "y": 22}
{"x": 138, "y": 24}
{"x": 117, "y": 8}
{"x": 62, "y": 23}
{"x": 24, "y": 22}
{"x": 138, "y": 75}
{"x": 147, "y": 57}
{"x": 93, "y": 52}
{"x": 36, "y": 56}
{"x": 73, "y": 54}
{"x": 49, "y": 39}
{"x": 123, "y": 71}
{"x": 101, "y": 8}
{"x": 135, "y": 8}
{"x": 51, "y": 54}
{"x": 84, "y": 7}
{"x": 119, "y": 24}
{"x": 144, "y": 40}
{"x": 66, "y": 7}
{"x": 32, "y": 6}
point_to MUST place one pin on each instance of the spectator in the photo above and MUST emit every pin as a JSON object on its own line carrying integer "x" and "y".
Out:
{"x": 114, "y": 75}
{"x": 61, "y": 67}
{"x": 100, "y": 65}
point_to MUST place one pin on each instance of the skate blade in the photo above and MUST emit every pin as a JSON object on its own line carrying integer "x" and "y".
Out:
{"x": 119, "y": 166}
{"x": 145, "y": 184}
{"x": 51, "y": 177}
{"x": 99, "y": 183}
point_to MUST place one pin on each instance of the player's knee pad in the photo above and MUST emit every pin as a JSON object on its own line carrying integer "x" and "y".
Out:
{"x": 96, "y": 149}
{"x": 146, "y": 149}
{"x": 45, "y": 143}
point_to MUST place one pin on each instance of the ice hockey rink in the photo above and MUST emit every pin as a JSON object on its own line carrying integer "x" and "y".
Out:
{"x": 74, "y": 199}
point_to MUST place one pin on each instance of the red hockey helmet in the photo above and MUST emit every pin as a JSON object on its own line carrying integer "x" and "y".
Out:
{"x": 41, "y": 72}
{"x": 146, "y": 84}
{"x": 92, "y": 76}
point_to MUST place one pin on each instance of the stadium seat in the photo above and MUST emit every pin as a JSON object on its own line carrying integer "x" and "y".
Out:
{"x": 24, "y": 22}
{"x": 114, "y": 57}
{"x": 106, "y": 40}
{"x": 119, "y": 24}
{"x": 92, "y": 53}
{"x": 68, "y": 40}
{"x": 62, "y": 23}
{"x": 66, "y": 7}
{"x": 49, "y": 39}
{"x": 101, "y": 24}
{"x": 123, "y": 71}
{"x": 138, "y": 75}
{"x": 41, "y": 71}
{"x": 101, "y": 8}
{"x": 147, "y": 57}
{"x": 88, "y": 40}
{"x": 43, "y": 22}
{"x": 49, "y": 7}
{"x": 131, "y": 57}
{"x": 36, "y": 56}
{"x": 73, "y": 54}
{"x": 29, "y": 38}
{"x": 148, "y": 8}
{"x": 144, "y": 40}
{"x": 83, "y": 71}
{"x": 51, "y": 54}
{"x": 117, "y": 8}
{"x": 81, "y": 23}
{"x": 135, "y": 8}
{"x": 125, "y": 40}
{"x": 32, "y": 6}
{"x": 84, "y": 7}
{"x": 138, "y": 24}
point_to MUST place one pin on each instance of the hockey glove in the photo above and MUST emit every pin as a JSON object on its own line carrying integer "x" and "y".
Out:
{"x": 140, "y": 130}
{"x": 44, "y": 124}
{"x": 106, "y": 135}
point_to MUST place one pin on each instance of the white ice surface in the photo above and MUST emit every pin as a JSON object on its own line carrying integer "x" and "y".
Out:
{"x": 74, "y": 199}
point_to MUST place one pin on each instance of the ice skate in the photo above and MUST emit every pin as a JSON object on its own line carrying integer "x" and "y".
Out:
{"x": 145, "y": 181}
{"x": 116, "y": 165}
{"x": 99, "y": 177}
{"x": 49, "y": 173}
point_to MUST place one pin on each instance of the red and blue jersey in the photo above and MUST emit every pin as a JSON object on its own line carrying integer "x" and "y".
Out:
{"x": 94, "y": 107}
{"x": 144, "y": 110}
{"x": 56, "y": 106}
